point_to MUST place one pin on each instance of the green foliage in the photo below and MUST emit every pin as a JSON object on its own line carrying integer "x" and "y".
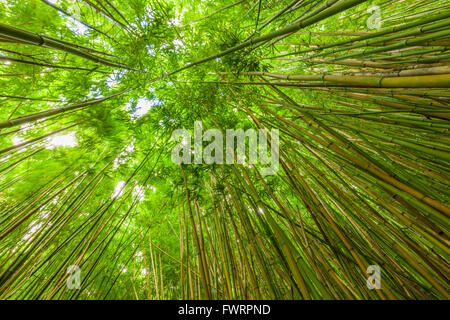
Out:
{"x": 362, "y": 176}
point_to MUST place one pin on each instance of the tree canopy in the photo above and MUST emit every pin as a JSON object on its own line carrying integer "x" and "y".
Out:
{"x": 91, "y": 91}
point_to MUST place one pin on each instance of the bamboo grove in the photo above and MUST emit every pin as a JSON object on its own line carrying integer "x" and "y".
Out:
{"x": 91, "y": 91}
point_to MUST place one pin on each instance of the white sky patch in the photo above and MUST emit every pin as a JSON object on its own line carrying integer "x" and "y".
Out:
{"x": 27, "y": 126}
{"x": 44, "y": 214}
{"x": 76, "y": 27}
{"x": 118, "y": 190}
{"x": 66, "y": 140}
{"x": 175, "y": 21}
{"x": 34, "y": 226}
{"x": 114, "y": 78}
{"x": 178, "y": 44}
{"x": 17, "y": 140}
{"x": 143, "y": 106}
{"x": 122, "y": 268}
{"x": 94, "y": 93}
{"x": 104, "y": 45}
{"x": 124, "y": 156}
{"x": 5, "y": 158}
{"x": 139, "y": 256}
{"x": 150, "y": 13}
{"x": 62, "y": 99}
{"x": 139, "y": 193}
{"x": 6, "y": 4}
{"x": 150, "y": 49}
